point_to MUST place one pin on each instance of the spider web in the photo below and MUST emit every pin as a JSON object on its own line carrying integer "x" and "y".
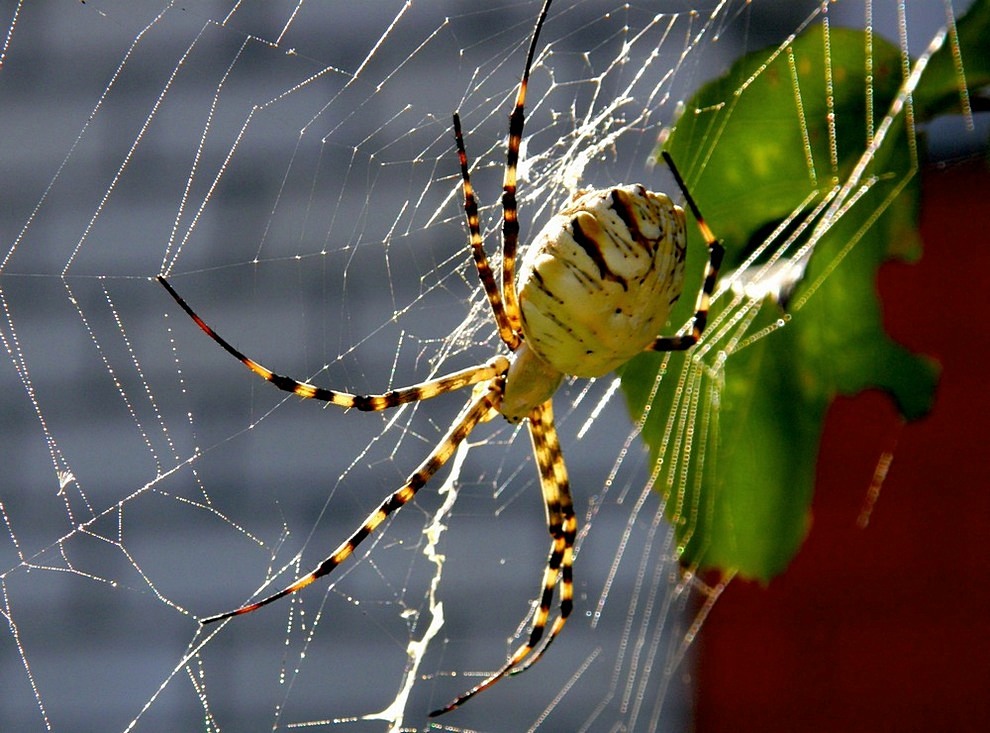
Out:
{"x": 291, "y": 166}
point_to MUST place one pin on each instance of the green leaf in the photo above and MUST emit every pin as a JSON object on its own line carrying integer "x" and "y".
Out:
{"x": 734, "y": 424}
{"x": 939, "y": 91}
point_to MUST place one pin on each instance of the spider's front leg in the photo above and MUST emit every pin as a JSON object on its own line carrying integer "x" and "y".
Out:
{"x": 481, "y": 408}
{"x": 562, "y": 525}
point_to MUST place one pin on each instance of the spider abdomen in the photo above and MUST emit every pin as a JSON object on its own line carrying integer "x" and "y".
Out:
{"x": 598, "y": 281}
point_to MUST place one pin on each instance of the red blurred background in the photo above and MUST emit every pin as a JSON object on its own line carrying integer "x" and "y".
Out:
{"x": 884, "y": 628}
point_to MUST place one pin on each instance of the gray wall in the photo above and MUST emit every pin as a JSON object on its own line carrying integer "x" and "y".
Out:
{"x": 298, "y": 248}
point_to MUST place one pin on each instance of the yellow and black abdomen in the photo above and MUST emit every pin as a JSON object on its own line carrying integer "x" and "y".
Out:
{"x": 599, "y": 280}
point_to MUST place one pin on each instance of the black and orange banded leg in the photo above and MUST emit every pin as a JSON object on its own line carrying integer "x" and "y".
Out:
{"x": 506, "y": 332}
{"x": 373, "y": 403}
{"x": 510, "y": 219}
{"x": 477, "y": 411}
{"x": 715, "y": 254}
{"x": 562, "y": 525}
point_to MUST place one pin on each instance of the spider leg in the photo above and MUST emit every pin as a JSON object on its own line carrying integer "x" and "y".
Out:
{"x": 476, "y": 412}
{"x": 375, "y": 402}
{"x": 562, "y": 525}
{"x": 505, "y": 329}
{"x": 510, "y": 220}
{"x": 715, "y": 253}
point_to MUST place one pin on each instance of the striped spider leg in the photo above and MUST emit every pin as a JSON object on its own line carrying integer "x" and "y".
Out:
{"x": 594, "y": 289}
{"x": 715, "y": 254}
{"x": 479, "y": 410}
{"x": 482, "y": 407}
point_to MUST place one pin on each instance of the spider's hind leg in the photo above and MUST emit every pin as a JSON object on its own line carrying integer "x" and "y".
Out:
{"x": 715, "y": 254}
{"x": 505, "y": 328}
{"x": 504, "y": 301}
{"x": 510, "y": 218}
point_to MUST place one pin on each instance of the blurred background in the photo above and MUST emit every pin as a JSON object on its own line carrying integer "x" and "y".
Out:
{"x": 291, "y": 167}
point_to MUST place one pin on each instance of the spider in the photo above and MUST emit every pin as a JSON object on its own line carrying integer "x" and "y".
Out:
{"x": 594, "y": 289}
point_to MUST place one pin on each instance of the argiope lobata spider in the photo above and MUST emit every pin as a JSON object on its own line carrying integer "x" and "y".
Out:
{"x": 595, "y": 288}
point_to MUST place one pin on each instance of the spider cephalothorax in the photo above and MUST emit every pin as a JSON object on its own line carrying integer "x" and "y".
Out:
{"x": 595, "y": 288}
